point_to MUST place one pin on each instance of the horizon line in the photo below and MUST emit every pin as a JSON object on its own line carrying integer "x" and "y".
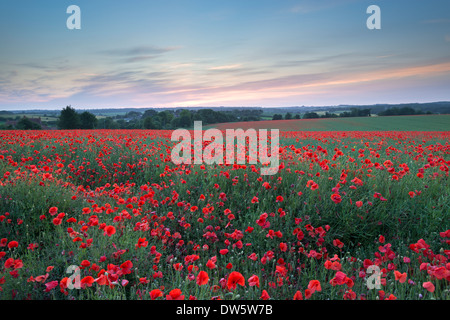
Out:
{"x": 232, "y": 107}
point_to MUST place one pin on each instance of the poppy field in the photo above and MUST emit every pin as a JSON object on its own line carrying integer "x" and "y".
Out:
{"x": 106, "y": 214}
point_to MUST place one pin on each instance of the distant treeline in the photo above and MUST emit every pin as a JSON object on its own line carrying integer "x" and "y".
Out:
{"x": 434, "y": 107}
{"x": 168, "y": 119}
{"x": 354, "y": 112}
{"x": 402, "y": 112}
{"x": 420, "y": 108}
{"x": 152, "y": 119}
{"x": 24, "y": 123}
{"x": 182, "y": 118}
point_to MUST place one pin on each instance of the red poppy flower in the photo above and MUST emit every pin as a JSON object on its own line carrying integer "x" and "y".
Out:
{"x": 156, "y": 293}
{"x": 53, "y": 210}
{"x": 264, "y": 295}
{"x": 401, "y": 277}
{"x": 211, "y": 264}
{"x": 51, "y": 285}
{"x": 349, "y": 295}
{"x": 41, "y": 278}
{"x": 202, "y": 278}
{"x": 298, "y": 296}
{"x": 336, "y": 198}
{"x": 308, "y": 294}
{"x": 235, "y": 278}
{"x": 314, "y": 285}
{"x": 429, "y": 286}
{"x": 126, "y": 267}
{"x": 87, "y": 282}
{"x": 109, "y": 231}
{"x": 13, "y": 244}
{"x": 141, "y": 243}
{"x": 175, "y": 294}
{"x": 253, "y": 281}
{"x": 178, "y": 266}
{"x": 338, "y": 243}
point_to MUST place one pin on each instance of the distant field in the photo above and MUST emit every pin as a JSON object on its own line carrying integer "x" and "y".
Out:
{"x": 46, "y": 119}
{"x": 28, "y": 115}
{"x": 392, "y": 123}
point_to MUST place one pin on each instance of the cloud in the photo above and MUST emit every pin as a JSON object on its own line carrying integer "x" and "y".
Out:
{"x": 138, "y": 58}
{"x": 307, "y": 61}
{"x": 235, "y": 70}
{"x": 226, "y": 67}
{"x": 138, "y": 51}
{"x": 50, "y": 66}
{"x": 137, "y": 54}
{"x": 110, "y": 84}
{"x": 326, "y": 84}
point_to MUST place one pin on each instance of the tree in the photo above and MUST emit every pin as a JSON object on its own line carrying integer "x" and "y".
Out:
{"x": 185, "y": 120}
{"x": 27, "y": 124}
{"x": 148, "y": 123}
{"x": 310, "y": 115}
{"x": 109, "y": 123}
{"x": 149, "y": 113}
{"x": 163, "y": 119}
{"x": 288, "y": 116}
{"x": 277, "y": 117}
{"x": 208, "y": 116}
{"x": 328, "y": 115}
{"x": 88, "y": 120}
{"x": 133, "y": 114}
{"x": 68, "y": 119}
{"x": 400, "y": 111}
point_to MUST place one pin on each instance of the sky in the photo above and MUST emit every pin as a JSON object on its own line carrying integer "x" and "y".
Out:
{"x": 186, "y": 53}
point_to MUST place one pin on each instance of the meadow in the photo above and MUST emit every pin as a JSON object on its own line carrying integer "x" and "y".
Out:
{"x": 111, "y": 205}
{"x": 375, "y": 123}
